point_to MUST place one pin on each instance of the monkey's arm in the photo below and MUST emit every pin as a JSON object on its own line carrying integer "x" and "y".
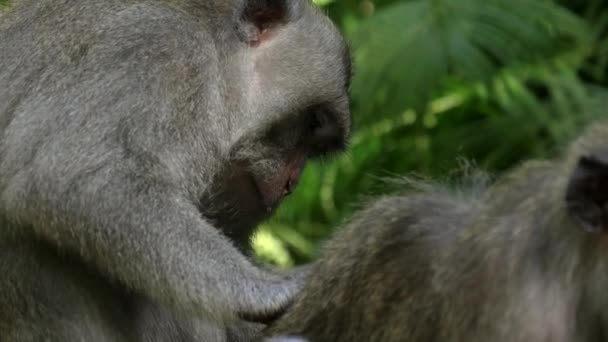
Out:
{"x": 157, "y": 242}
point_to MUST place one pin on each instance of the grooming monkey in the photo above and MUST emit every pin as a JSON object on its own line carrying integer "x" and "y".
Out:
{"x": 522, "y": 260}
{"x": 141, "y": 143}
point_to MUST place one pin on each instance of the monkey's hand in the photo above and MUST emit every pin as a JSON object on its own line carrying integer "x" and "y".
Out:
{"x": 293, "y": 281}
{"x": 285, "y": 339}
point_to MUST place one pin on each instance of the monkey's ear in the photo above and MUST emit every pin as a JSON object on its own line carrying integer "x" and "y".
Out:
{"x": 259, "y": 18}
{"x": 587, "y": 193}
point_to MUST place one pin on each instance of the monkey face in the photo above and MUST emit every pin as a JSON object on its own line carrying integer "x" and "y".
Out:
{"x": 266, "y": 167}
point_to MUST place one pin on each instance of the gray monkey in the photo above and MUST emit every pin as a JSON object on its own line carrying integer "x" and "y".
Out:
{"x": 524, "y": 259}
{"x": 141, "y": 142}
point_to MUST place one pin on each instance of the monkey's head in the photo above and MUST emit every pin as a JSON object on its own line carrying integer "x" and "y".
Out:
{"x": 291, "y": 69}
{"x": 587, "y": 188}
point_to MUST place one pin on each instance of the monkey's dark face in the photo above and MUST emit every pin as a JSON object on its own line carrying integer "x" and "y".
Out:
{"x": 267, "y": 167}
{"x": 315, "y": 133}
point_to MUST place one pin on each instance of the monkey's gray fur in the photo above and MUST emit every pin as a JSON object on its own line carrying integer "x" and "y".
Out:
{"x": 141, "y": 141}
{"x": 524, "y": 259}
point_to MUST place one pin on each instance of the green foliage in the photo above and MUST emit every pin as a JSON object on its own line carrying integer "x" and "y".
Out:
{"x": 407, "y": 50}
{"x": 437, "y": 81}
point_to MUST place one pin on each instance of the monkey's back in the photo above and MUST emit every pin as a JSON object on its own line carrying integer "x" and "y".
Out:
{"x": 377, "y": 274}
{"x": 447, "y": 265}
{"x": 90, "y": 77}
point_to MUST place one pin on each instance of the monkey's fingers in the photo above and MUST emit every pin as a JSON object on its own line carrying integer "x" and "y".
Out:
{"x": 266, "y": 317}
{"x": 285, "y": 339}
{"x": 282, "y": 298}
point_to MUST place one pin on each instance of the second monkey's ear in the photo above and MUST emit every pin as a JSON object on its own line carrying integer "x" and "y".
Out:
{"x": 259, "y": 18}
{"x": 587, "y": 192}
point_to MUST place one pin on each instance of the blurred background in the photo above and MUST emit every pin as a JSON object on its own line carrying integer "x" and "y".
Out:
{"x": 437, "y": 82}
{"x": 441, "y": 81}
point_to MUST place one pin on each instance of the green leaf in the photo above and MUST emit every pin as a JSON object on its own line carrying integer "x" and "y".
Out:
{"x": 405, "y": 52}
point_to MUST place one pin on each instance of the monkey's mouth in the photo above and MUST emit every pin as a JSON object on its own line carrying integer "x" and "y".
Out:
{"x": 273, "y": 190}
